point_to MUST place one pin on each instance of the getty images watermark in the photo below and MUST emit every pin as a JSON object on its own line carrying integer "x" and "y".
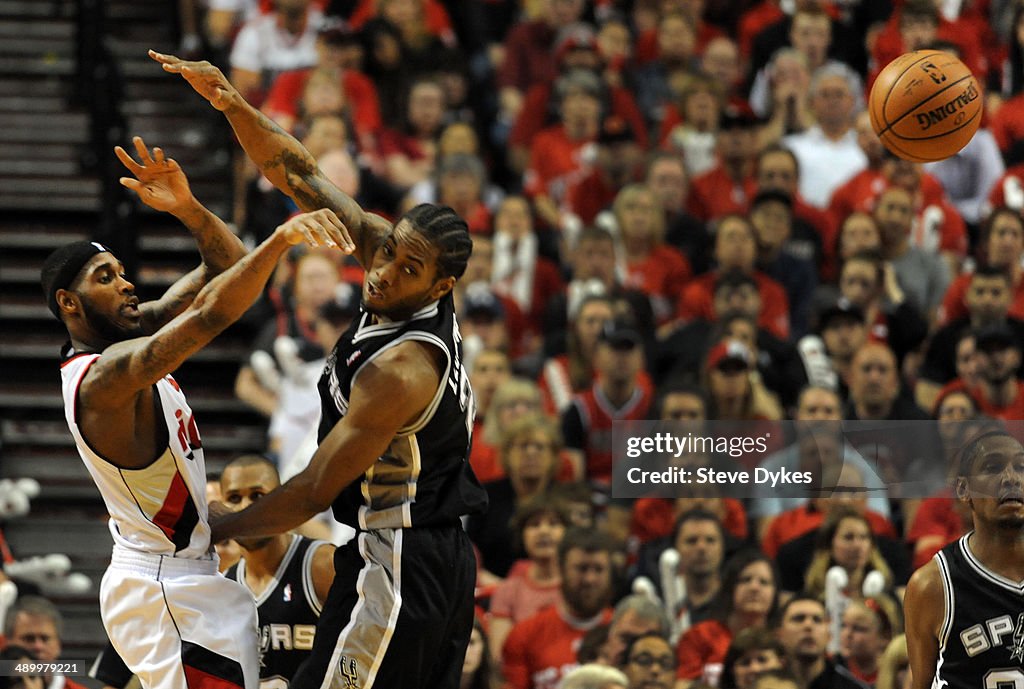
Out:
{"x": 786, "y": 459}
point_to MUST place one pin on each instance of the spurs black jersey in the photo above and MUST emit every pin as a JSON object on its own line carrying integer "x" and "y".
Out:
{"x": 288, "y": 610}
{"x": 981, "y": 645}
{"x": 423, "y": 478}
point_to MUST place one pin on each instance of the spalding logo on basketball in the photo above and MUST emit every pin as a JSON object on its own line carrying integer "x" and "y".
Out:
{"x": 925, "y": 105}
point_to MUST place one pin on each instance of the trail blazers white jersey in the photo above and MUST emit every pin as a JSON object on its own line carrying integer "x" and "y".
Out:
{"x": 159, "y": 509}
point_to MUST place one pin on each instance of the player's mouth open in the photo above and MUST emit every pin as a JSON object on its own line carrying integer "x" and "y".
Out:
{"x": 1016, "y": 498}
{"x": 373, "y": 292}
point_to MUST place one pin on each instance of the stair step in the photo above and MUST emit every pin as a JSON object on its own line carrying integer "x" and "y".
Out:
{"x": 18, "y": 85}
{"x": 41, "y": 132}
{"x": 232, "y": 437}
{"x": 34, "y": 104}
{"x": 45, "y": 202}
{"x": 42, "y": 168}
{"x": 45, "y": 238}
{"x": 71, "y": 186}
{"x": 44, "y": 47}
{"x": 40, "y": 151}
{"x": 24, "y": 9}
{"x": 45, "y": 66}
{"x": 44, "y": 348}
{"x": 53, "y": 29}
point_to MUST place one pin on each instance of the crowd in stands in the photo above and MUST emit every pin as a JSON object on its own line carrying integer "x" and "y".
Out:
{"x": 680, "y": 211}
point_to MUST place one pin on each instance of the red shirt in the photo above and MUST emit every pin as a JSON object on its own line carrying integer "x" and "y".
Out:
{"x": 936, "y": 516}
{"x": 655, "y": 518}
{"x": 1007, "y": 124}
{"x": 647, "y": 42}
{"x": 755, "y": 20}
{"x": 697, "y": 302}
{"x": 889, "y": 46}
{"x": 528, "y": 56}
{"x": 536, "y": 105}
{"x": 715, "y": 194}
{"x": 954, "y": 306}
{"x": 589, "y": 195}
{"x": 796, "y": 522}
{"x": 435, "y": 16}
{"x": 541, "y": 649}
{"x": 598, "y": 416}
{"x": 518, "y": 598}
{"x": 1011, "y": 412}
{"x": 556, "y": 162}
{"x": 1009, "y": 190}
{"x": 662, "y": 275}
{"x": 701, "y": 651}
{"x": 286, "y": 93}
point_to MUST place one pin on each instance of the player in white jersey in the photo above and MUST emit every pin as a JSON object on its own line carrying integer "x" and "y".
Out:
{"x": 176, "y": 623}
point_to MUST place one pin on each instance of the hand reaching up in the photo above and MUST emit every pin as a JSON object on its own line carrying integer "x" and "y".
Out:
{"x": 160, "y": 182}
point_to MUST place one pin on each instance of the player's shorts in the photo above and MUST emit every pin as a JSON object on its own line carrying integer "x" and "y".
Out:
{"x": 178, "y": 624}
{"x": 399, "y": 613}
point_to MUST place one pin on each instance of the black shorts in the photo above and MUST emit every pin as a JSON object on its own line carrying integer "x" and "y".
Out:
{"x": 399, "y": 613}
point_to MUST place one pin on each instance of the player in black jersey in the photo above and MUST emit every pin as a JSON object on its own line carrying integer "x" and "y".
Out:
{"x": 965, "y": 608}
{"x": 397, "y": 418}
{"x": 288, "y": 575}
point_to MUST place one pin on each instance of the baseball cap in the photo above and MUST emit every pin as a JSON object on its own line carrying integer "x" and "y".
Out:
{"x": 620, "y": 333}
{"x": 336, "y": 31}
{"x": 995, "y": 337}
{"x": 615, "y": 130}
{"x": 482, "y": 303}
{"x": 769, "y": 195}
{"x": 842, "y": 308}
{"x": 729, "y": 352}
{"x": 738, "y": 118}
{"x": 344, "y": 306}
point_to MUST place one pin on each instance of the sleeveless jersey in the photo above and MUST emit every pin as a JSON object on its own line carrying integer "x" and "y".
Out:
{"x": 981, "y": 643}
{"x": 159, "y": 509}
{"x": 288, "y": 610}
{"x": 424, "y": 477}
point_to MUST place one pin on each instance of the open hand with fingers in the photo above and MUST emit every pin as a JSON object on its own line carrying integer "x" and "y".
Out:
{"x": 206, "y": 79}
{"x": 318, "y": 228}
{"x": 160, "y": 182}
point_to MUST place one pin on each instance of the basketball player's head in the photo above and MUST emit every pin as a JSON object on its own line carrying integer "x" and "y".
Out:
{"x": 991, "y": 479}
{"x": 245, "y": 480}
{"x": 418, "y": 262}
{"x": 86, "y": 288}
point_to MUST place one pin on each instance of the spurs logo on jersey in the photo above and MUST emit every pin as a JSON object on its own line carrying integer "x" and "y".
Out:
{"x": 423, "y": 478}
{"x": 981, "y": 643}
{"x": 288, "y": 611}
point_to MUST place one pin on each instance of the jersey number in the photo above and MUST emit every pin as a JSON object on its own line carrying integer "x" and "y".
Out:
{"x": 1005, "y": 678}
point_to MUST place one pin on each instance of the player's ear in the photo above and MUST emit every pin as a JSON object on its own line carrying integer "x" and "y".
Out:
{"x": 442, "y": 287}
{"x": 960, "y": 488}
{"x": 67, "y": 301}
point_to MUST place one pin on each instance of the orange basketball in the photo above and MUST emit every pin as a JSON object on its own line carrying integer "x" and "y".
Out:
{"x": 925, "y": 105}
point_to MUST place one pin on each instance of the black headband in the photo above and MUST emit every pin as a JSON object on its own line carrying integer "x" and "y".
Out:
{"x": 63, "y": 266}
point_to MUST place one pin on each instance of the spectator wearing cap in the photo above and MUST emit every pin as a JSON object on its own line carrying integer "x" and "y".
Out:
{"x": 334, "y": 42}
{"x": 828, "y": 150}
{"x": 618, "y": 162}
{"x": 482, "y": 320}
{"x": 814, "y": 234}
{"x": 408, "y": 151}
{"x": 668, "y": 178}
{"x": 999, "y": 392}
{"x": 1001, "y": 244}
{"x": 677, "y": 53}
{"x": 574, "y": 319}
{"x": 270, "y": 44}
{"x": 922, "y": 275}
{"x": 988, "y": 302}
{"x": 650, "y": 265}
{"x": 735, "y": 390}
{"x": 737, "y": 302}
{"x": 528, "y": 50}
{"x": 616, "y": 395}
{"x": 771, "y": 214}
{"x": 843, "y": 332}
{"x": 520, "y": 272}
{"x": 735, "y": 250}
{"x": 576, "y": 48}
{"x": 869, "y": 283}
{"x": 729, "y": 186}
{"x": 559, "y": 154}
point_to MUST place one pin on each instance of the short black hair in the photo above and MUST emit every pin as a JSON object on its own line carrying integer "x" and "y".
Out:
{"x": 987, "y": 271}
{"x": 973, "y": 449}
{"x": 587, "y": 540}
{"x": 443, "y": 228}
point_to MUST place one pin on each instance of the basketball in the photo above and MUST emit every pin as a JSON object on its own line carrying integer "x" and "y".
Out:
{"x": 925, "y": 105}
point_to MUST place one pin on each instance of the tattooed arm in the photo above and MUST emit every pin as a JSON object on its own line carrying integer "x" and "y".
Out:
{"x": 162, "y": 185}
{"x": 284, "y": 161}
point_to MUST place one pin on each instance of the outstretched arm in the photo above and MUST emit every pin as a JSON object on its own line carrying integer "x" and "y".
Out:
{"x": 281, "y": 158}
{"x": 390, "y": 392}
{"x": 162, "y": 185}
{"x": 128, "y": 367}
